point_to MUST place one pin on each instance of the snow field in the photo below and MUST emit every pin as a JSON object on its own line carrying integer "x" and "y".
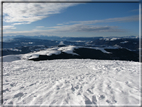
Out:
{"x": 71, "y": 82}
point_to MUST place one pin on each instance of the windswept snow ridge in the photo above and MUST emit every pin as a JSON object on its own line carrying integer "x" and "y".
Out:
{"x": 71, "y": 82}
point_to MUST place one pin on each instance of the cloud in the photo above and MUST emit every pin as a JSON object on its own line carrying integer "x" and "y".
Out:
{"x": 135, "y": 10}
{"x": 26, "y": 13}
{"x": 69, "y": 28}
{"x": 59, "y": 24}
{"x": 119, "y": 19}
{"x": 85, "y": 28}
{"x": 8, "y": 27}
{"x": 17, "y": 24}
{"x": 38, "y": 27}
{"x": 124, "y": 19}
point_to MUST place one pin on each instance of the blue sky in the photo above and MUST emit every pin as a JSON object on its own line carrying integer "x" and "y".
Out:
{"x": 71, "y": 19}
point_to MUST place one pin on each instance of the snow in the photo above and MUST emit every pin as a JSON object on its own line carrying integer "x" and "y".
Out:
{"x": 10, "y": 58}
{"x": 34, "y": 56}
{"x": 101, "y": 49}
{"x": 124, "y": 42}
{"x": 113, "y": 47}
{"x": 67, "y": 49}
{"x": 47, "y": 52}
{"x": 112, "y": 39}
{"x": 30, "y": 42}
{"x": 71, "y": 82}
{"x": 106, "y": 39}
{"x": 79, "y": 41}
{"x": 61, "y": 43}
{"x": 12, "y": 49}
{"x": 109, "y": 39}
{"x": 50, "y": 51}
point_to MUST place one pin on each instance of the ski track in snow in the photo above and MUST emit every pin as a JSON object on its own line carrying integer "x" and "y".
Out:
{"x": 71, "y": 82}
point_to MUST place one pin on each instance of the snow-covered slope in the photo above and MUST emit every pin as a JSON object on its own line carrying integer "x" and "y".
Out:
{"x": 57, "y": 50}
{"x": 81, "y": 52}
{"x": 71, "y": 82}
{"x": 10, "y": 58}
{"x": 50, "y": 51}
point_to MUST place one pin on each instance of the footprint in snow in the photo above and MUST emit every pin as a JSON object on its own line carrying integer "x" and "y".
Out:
{"x": 72, "y": 88}
{"x": 13, "y": 84}
{"x": 10, "y": 102}
{"x": 57, "y": 87}
{"x": 102, "y": 97}
{"x": 5, "y": 90}
{"x": 87, "y": 100}
{"x": 108, "y": 101}
{"x": 20, "y": 94}
{"x": 89, "y": 91}
{"x": 94, "y": 99}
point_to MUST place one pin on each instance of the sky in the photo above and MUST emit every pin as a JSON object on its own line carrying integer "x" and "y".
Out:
{"x": 71, "y": 19}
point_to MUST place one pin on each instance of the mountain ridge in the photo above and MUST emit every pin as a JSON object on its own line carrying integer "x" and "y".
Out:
{"x": 76, "y": 52}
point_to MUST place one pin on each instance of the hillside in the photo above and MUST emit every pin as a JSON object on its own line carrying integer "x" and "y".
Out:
{"x": 81, "y": 52}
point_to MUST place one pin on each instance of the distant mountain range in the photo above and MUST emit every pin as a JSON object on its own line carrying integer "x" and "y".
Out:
{"x": 9, "y": 38}
{"x": 128, "y": 47}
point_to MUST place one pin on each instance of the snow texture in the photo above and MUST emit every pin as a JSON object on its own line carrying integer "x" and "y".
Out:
{"x": 71, "y": 82}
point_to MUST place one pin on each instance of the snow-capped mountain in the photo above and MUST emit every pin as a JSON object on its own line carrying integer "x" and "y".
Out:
{"x": 19, "y": 43}
{"x": 81, "y": 52}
